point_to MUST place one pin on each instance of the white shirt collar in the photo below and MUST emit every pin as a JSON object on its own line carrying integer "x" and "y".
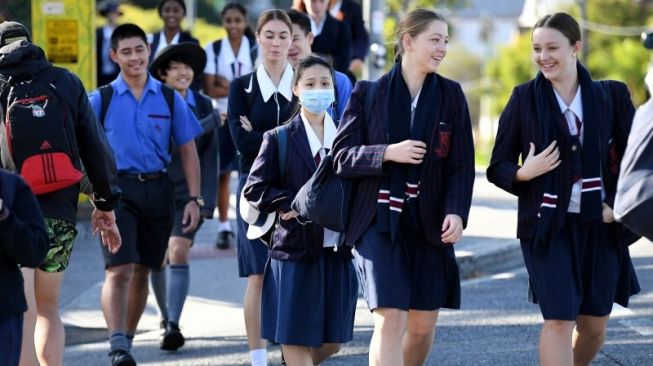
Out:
{"x": 317, "y": 28}
{"x": 576, "y": 105}
{"x": 335, "y": 9}
{"x": 228, "y": 55}
{"x": 313, "y": 140}
{"x": 413, "y": 105}
{"x": 163, "y": 43}
{"x": 267, "y": 86}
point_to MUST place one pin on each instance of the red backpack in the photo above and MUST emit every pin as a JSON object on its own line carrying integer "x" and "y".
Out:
{"x": 39, "y": 134}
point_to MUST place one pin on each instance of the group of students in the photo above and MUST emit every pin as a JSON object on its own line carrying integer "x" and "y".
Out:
{"x": 405, "y": 142}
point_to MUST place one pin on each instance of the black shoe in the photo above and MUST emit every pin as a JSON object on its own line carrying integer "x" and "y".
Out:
{"x": 225, "y": 239}
{"x": 121, "y": 358}
{"x": 172, "y": 338}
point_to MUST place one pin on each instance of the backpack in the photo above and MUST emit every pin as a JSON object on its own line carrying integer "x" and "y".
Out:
{"x": 41, "y": 144}
{"x": 217, "y": 47}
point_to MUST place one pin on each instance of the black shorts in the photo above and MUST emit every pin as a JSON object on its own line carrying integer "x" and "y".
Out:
{"x": 144, "y": 217}
{"x": 177, "y": 225}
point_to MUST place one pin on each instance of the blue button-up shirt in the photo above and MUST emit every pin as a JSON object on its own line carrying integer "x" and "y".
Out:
{"x": 139, "y": 131}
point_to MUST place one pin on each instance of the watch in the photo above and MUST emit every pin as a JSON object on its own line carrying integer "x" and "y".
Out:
{"x": 198, "y": 199}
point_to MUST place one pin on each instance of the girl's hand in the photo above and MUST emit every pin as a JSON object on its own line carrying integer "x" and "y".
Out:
{"x": 247, "y": 125}
{"x": 608, "y": 214}
{"x": 407, "y": 152}
{"x": 536, "y": 165}
{"x": 288, "y": 215}
{"x": 452, "y": 229}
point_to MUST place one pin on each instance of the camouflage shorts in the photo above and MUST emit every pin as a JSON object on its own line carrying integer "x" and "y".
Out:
{"x": 61, "y": 235}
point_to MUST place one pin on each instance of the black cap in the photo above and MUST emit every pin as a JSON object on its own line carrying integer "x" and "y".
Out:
{"x": 109, "y": 6}
{"x": 13, "y": 31}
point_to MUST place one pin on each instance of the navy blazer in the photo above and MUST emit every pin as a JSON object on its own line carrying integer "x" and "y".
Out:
{"x": 352, "y": 15}
{"x": 268, "y": 192}
{"x": 335, "y": 41}
{"x": 156, "y": 38}
{"x": 518, "y": 127}
{"x": 447, "y": 176}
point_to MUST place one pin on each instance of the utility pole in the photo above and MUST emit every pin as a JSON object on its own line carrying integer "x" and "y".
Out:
{"x": 374, "y": 14}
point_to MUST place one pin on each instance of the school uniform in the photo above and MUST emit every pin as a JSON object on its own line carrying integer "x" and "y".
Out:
{"x": 106, "y": 69}
{"x": 255, "y": 96}
{"x": 351, "y": 14}
{"x": 229, "y": 66}
{"x": 577, "y": 265}
{"x": 333, "y": 38}
{"x": 400, "y": 259}
{"x": 207, "y": 151}
{"x": 309, "y": 285}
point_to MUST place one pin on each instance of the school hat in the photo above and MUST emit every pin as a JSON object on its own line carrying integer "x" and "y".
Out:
{"x": 107, "y": 7}
{"x": 13, "y": 31}
{"x": 192, "y": 54}
{"x": 259, "y": 223}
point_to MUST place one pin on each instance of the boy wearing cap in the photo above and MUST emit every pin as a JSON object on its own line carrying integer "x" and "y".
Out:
{"x": 22, "y": 60}
{"x": 106, "y": 69}
{"x": 176, "y": 66}
{"x": 140, "y": 122}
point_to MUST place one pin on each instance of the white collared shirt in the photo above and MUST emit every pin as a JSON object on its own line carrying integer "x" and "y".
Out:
{"x": 335, "y": 9}
{"x": 226, "y": 59}
{"x": 576, "y": 107}
{"x": 163, "y": 43}
{"x": 331, "y": 238}
{"x": 267, "y": 87}
{"x": 413, "y": 107}
{"x": 317, "y": 28}
{"x": 108, "y": 66}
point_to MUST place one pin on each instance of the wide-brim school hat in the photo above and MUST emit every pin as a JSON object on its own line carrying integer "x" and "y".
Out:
{"x": 192, "y": 53}
{"x": 258, "y": 223}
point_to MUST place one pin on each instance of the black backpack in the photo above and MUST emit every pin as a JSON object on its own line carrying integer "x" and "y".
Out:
{"x": 39, "y": 133}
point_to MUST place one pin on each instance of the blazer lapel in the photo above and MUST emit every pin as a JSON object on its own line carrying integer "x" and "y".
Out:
{"x": 299, "y": 142}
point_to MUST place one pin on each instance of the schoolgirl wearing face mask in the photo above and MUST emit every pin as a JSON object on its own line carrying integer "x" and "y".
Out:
{"x": 309, "y": 275}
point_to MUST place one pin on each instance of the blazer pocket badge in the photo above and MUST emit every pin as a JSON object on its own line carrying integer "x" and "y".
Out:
{"x": 444, "y": 143}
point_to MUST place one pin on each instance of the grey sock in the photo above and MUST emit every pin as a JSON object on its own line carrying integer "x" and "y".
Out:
{"x": 118, "y": 341}
{"x": 158, "y": 282}
{"x": 177, "y": 291}
{"x": 130, "y": 340}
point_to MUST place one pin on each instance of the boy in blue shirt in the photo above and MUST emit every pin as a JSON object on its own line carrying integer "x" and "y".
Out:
{"x": 140, "y": 120}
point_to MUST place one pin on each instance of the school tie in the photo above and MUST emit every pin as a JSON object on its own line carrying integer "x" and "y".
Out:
{"x": 318, "y": 157}
{"x": 576, "y": 157}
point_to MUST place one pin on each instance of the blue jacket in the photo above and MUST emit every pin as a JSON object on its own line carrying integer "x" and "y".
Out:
{"x": 447, "y": 178}
{"x": 23, "y": 241}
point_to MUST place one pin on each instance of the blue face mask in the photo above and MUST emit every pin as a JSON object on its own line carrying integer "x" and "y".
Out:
{"x": 317, "y": 100}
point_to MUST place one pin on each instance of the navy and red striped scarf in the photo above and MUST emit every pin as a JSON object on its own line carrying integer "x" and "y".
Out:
{"x": 400, "y": 189}
{"x": 551, "y": 217}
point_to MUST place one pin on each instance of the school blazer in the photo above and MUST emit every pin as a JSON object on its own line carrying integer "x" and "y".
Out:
{"x": 335, "y": 41}
{"x": 519, "y": 125}
{"x": 156, "y": 38}
{"x": 448, "y": 169}
{"x": 268, "y": 192}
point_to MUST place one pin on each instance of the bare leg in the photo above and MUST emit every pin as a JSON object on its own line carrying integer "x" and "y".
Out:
{"x": 223, "y": 196}
{"x": 389, "y": 329}
{"x": 297, "y": 355}
{"x": 28, "y": 350}
{"x": 115, "y": 296}
{"x": 253, "y": 294}
{"x": 178, "y": 249}
{"x": 321, "y": 354}
{"x": 49, "y": 336}
{"x": 137, "y": 297}
{"x": 419, "y": 336}
{"x": 588, "y": 337}
{"x": 555, "y": 343}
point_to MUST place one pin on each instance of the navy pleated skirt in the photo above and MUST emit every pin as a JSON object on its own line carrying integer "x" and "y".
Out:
{"x": 583, "y": 272}
{"x": 407, "y": 274}
{"x": 252, "y": 254}
{"x": 309, "y": 303}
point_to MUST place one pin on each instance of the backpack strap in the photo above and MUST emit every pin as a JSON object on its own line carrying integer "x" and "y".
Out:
{"x": 106, "y": 93}
{"x": 217, "y": 47}
{"x": 169, "y": 96}
{"x": 253, "y": 49}
{"x": 282, "y": 140}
